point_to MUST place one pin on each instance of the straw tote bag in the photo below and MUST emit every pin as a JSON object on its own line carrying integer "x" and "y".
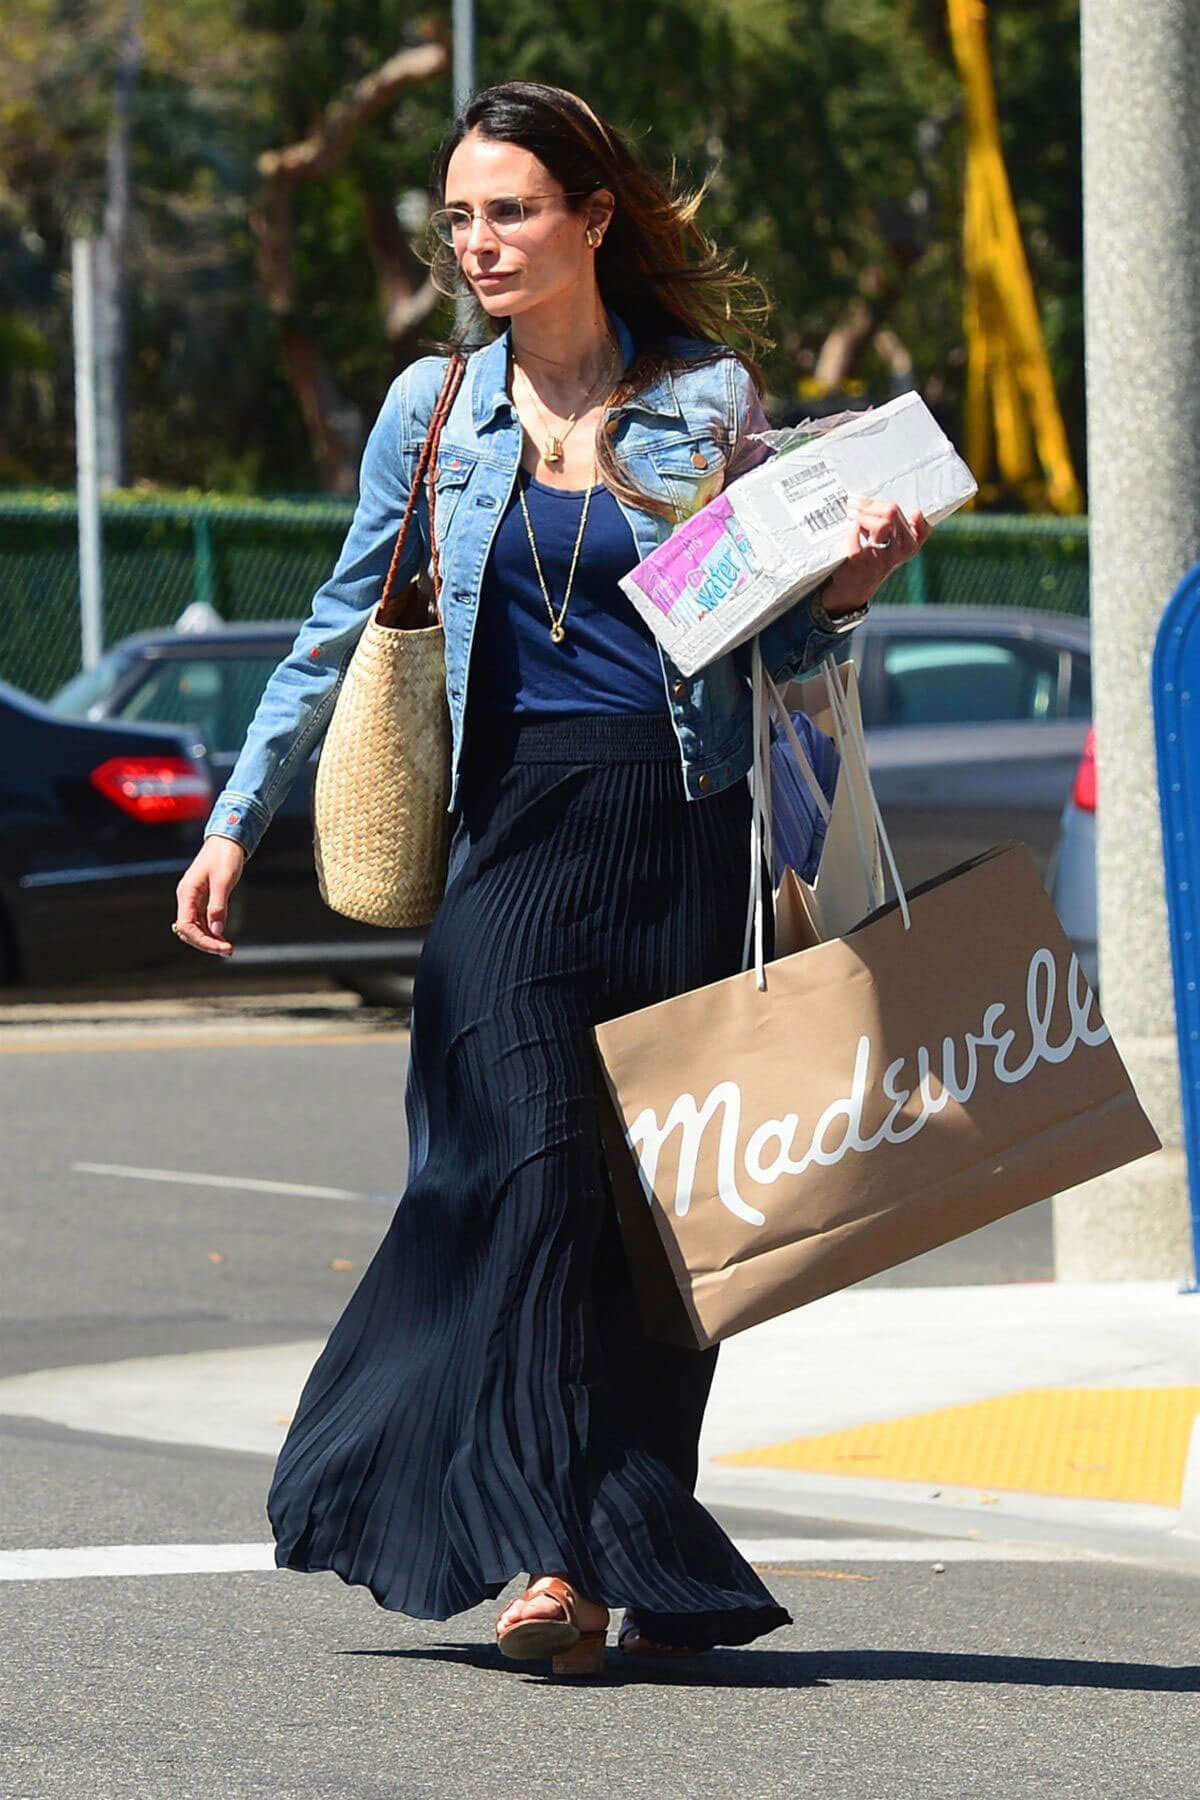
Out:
{"x": 381, "y": 826}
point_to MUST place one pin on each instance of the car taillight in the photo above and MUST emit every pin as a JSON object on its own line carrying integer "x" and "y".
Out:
{"x": 158, "y": 790}
{"x": 1085, "y": 775}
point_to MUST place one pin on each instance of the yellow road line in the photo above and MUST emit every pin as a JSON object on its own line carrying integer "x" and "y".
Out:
{"x": 811, "y": 1574}
{"x": 1079, "y": 1443}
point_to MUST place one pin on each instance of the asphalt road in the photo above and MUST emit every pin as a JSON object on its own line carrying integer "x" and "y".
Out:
{"x": 120, "y": 1238}
{"x": 893, "y": 1682}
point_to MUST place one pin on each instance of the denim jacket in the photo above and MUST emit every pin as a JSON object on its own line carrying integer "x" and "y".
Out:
{"x": 680, "y": 438}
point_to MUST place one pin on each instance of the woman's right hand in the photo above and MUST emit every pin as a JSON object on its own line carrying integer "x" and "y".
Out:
{"x": 203, "y": 896}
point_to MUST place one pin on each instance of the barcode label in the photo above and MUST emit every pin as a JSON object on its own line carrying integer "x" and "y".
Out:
{"x": 812, "y": 495}
{"x": 830, "y": 513}
{"x": 793, "y": 487}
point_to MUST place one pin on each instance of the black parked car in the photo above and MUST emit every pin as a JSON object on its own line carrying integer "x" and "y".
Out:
{"x": 97, "y": 823}
{"x": 211, "y": 679}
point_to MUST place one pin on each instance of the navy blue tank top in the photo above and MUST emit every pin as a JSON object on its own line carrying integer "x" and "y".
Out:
{"x": 608, "y": 661}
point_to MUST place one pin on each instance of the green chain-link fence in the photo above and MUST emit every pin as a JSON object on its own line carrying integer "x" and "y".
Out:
{"x": 263, "y": 560}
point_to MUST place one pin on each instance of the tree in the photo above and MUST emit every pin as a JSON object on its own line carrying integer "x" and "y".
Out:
{"x": 830, "y": 130}
{"x": 407, "y": 297}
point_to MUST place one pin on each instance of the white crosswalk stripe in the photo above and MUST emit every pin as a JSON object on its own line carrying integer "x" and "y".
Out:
{"x": 88, "y": 1562}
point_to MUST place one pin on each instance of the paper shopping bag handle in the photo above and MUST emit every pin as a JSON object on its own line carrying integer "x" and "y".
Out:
{"x": 847, "y": 731}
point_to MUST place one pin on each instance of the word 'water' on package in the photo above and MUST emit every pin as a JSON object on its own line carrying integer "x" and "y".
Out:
{"x": 708, "y": 563}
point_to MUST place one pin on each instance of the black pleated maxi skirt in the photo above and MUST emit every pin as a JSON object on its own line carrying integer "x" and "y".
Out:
{"x": 488, "y": 1404}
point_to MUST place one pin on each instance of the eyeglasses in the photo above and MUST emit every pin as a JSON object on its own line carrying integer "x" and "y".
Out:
{"x": 505, "y": 216}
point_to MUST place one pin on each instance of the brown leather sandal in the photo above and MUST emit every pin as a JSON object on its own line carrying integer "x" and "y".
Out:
{"x": 572, "y": 1651}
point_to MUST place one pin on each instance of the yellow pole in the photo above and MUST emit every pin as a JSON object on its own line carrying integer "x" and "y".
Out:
{"x": 1010, "y": 390}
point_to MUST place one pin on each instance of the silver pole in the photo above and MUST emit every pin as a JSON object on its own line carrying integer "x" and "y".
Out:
{"x": 91, "y": 594}
{"x": 464, "y": 87}
{"x": 1141, "y": 137}
{"x": 464, "y": 52}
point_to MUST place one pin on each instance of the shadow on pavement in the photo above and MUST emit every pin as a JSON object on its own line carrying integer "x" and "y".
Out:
{"x": 816, "y": 1668}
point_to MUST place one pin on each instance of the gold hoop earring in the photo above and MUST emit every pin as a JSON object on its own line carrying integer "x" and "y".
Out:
{"x": 595, "y": 237}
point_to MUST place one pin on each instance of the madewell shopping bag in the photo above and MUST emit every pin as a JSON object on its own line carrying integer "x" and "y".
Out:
{"x": 798, "y": 1127}
{"x": 886, "y": 1092}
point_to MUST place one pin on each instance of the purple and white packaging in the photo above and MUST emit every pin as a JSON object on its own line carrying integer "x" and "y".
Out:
{"x": 777, "y": 532}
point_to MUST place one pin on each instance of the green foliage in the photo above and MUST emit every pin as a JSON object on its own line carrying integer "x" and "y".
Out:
{"x": 829, "y": 130}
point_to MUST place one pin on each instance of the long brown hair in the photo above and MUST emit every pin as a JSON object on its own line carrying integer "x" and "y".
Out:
{"x": 655, "y": 267}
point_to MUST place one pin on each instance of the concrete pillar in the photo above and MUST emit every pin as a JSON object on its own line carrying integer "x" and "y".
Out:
{"x": 1141, "y": 168}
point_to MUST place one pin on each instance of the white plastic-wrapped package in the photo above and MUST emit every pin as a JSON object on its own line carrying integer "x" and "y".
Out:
{"x": 777, "y": 532}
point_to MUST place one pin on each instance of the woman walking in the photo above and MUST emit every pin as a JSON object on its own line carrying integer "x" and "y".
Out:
{"x": 489, "y": 1404}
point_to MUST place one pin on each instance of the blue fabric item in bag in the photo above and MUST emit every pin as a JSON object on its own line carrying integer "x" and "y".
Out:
{"x": 798, "y": 830}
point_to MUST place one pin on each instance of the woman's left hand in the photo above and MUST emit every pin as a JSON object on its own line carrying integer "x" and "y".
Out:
{"x": 881, "y": 538}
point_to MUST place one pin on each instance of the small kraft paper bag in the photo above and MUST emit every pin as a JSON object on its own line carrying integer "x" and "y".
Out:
{"x": 796, "y": 1128}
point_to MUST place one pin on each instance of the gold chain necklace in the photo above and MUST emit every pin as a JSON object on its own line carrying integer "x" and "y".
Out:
{"x": 552, "y": 443}
{"x": 557, "y": 628}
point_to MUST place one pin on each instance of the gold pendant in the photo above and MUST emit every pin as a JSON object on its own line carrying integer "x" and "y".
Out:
{"x": 552, "y": 450}
{"x": 557, "y": 632}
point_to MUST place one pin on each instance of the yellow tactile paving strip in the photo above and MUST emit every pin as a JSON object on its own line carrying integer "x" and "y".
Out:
{"x": 1079, "y": 1443}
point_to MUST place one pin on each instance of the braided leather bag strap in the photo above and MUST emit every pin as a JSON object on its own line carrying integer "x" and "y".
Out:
{"x": 405, "y": 610}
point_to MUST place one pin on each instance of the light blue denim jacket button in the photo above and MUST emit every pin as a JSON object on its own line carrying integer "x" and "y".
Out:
{"x": 707, "y": 409}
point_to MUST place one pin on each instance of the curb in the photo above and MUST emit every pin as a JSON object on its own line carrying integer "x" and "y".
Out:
{"x": 1188, "y": 1523}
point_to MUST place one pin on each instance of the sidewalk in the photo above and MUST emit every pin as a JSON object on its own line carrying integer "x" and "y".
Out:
{"x": 992, "y": 1411}
{"x": 1027, "y": 1411}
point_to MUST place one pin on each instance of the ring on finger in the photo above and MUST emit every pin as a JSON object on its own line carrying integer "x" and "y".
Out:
{"x": 175, "y": 927}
